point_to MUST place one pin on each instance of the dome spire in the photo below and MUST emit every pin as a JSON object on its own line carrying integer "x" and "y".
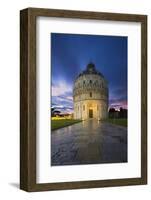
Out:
{"x": 91, "y": 67}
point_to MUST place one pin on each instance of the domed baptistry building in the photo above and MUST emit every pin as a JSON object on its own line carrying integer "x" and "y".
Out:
{"x": 90, "y": 95}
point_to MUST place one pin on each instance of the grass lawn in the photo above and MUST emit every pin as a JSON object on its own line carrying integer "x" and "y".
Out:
{"x": 56, "y": 124}
{"x": 121, "y": 122}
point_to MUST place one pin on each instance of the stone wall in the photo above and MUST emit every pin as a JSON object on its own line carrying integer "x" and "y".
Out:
{"x": 85, "y": 109}
{"x": 90, "y": 96}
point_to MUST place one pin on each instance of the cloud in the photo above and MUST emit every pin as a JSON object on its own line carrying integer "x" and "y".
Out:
{"x": 63, "y": 108}
{"x": 118, "y": 97}
{"x": 117, "y": 103}
{"x": 61, "y": 98}
{"x": 61, "y": 88}
{"x": 62, "y": 103}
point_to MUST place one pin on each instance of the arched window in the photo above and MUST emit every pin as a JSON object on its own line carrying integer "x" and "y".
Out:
{"x": 90, "y": 94}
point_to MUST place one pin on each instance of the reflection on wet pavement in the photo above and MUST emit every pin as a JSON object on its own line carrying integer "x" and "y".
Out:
{"x": 89, "y": 142}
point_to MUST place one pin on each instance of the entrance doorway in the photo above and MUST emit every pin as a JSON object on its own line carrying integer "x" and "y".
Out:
{"x": 90, "y": 113}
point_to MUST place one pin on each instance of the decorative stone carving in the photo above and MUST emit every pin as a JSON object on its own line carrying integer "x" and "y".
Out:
{"x": 90, "y": 94}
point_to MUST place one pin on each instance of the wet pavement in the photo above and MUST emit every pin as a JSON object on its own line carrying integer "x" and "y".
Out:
{"x": 89, "y": 142}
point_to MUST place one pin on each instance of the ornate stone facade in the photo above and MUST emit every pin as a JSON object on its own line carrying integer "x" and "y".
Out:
{"x": 90, "y": 95}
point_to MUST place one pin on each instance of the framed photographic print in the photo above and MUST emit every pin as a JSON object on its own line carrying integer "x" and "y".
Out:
{"x": 83, "y": 99}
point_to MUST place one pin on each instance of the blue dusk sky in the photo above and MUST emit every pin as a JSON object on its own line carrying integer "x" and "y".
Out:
{"x": 70, "y": 54}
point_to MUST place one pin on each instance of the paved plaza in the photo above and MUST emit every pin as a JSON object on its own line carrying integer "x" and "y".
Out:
{"x": 89, "y": 142}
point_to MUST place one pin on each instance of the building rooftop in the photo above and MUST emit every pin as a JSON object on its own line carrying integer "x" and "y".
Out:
{"x": 90, "y": 69}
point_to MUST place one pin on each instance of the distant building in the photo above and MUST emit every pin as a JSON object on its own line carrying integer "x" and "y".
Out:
{"x": 90, "y": 94}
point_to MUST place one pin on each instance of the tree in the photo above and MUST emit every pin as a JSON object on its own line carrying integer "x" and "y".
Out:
{"x": 112, "y": 113}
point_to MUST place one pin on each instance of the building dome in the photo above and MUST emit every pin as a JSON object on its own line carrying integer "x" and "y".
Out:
{"x": 90, "y": 94}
